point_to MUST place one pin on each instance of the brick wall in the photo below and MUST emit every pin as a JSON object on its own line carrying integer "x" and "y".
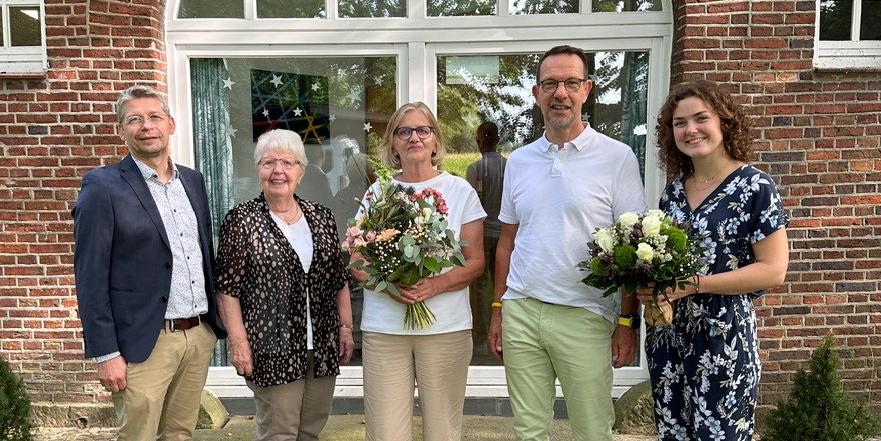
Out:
{"x": 53, "y": 130}
{"x": 819, "y": 137}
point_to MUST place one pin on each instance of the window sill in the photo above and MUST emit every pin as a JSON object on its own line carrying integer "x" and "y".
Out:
{"x": 850, "y": 56}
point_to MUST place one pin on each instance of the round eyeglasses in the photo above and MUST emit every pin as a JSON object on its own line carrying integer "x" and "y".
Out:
{"x": 404, "y": 133}
{"x": 571, "y": 84}
{"x": 270, "y": 163}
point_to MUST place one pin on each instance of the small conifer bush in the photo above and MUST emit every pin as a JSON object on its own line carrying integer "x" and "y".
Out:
{"x": 15, "y": 406}
{"x": 818, "y": 409}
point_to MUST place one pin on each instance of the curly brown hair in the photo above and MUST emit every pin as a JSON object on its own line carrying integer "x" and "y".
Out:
{"x": 735, "y": 126}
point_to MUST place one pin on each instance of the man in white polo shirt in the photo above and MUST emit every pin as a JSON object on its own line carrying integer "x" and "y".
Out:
{"x": 557, "y": 190}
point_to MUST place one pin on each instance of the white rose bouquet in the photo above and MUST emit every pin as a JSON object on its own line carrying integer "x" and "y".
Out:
{"x": 640, "y": 250}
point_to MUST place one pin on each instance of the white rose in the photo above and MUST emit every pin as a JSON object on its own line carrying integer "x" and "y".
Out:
{"x": 645, "y": 252}
{"x": 628, "y": 219}
{"x": 655, "y": 213}
{"x": 426, "y": 213}
{"x": 603, "y": 237}
{"x": 651, "y": 226}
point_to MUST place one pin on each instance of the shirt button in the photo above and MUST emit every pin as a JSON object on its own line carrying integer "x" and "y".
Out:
{"x": 181, "y": 234}
{"x": 193, "y": 282}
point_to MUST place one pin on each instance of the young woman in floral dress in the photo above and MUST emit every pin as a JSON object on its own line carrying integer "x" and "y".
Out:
{"x": 705, "y": 367}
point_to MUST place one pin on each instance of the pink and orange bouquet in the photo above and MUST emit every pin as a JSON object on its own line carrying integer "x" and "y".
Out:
{"x": 403, "y": 236}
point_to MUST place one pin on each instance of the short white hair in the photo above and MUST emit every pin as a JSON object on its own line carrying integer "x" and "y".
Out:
{"x": 280, "y": 140}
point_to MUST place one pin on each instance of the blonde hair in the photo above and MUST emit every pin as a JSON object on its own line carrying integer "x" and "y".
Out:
{"x": 386, "y": 149}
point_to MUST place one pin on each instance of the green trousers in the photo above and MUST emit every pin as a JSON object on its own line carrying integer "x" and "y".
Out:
{"x": 542, "y": 342}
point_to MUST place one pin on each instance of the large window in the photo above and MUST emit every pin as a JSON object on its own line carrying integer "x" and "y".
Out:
{"x": 848, "y": 34}
{"x": 335, "y": 73}
{"x": 22, "y": 40}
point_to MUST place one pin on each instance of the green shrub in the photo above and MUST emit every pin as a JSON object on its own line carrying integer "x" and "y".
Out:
{"x": 15, "y": 406}
{"x": 818, "y": 408}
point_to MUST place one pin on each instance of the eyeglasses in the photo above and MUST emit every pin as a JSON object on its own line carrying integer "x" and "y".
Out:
{"x": 138, "y": 120}
{"x": 270, "y": 163}
{"x": 404, "y": 133}
{"x": 571, "y": 84}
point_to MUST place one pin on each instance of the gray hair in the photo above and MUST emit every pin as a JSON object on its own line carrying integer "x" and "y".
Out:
{"x": 139, "y": 91}
{"x": 281, "y": 140}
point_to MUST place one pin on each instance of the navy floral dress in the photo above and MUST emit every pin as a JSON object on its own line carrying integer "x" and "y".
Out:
{"x": 705, "y": 367}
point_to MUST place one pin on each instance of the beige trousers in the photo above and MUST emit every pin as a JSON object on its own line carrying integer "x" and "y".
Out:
{"x": 437, "y": 363}
{"x": 294, "y": 411}
{"x": 161, "y": 399}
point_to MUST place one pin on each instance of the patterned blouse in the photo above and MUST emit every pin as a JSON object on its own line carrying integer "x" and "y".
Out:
{"x": 257, "y": 265}
{"x": 743, "y": 210}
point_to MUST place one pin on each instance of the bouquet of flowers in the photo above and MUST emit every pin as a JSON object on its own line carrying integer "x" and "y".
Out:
{"x": 639, "y": 250}
{"x": 403, "y": 237}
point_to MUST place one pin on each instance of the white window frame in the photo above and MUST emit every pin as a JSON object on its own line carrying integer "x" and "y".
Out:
{"x": 854, "y": 54}
{"x": 416, "y": 41}
{"x": 22, "y": 60}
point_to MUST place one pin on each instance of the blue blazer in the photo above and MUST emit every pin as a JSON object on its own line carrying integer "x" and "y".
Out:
{"x": 122, "y": 260}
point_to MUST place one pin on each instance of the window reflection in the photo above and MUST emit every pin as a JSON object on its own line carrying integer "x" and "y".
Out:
{"x": 518, "y": 7}
{"x": 290, "y": 9}
{"x": 497, "y": 88}
{"x": 339, "y": 106}
{"x": 438, "y": 8}
{"x": 372, "y": 8}
{"x": 835, "y": 19}
{"x": 24, "y": 26}
{"x": 626, "y": 5}
{"x": 212, "y": 9}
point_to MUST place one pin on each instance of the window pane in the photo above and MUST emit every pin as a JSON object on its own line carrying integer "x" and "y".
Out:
{"x": 835, "y": 17}
{"x": 2, "y": 43}
{"x": 212, "y": 9}
{"x": 24, "y": 24}
{"x": 543, "y": 6}
{"x": 438, "y": 8}
{"x": 498, "y": 88}
{"x": 372, "y": 8}
{"x": 290, "y": 9}
{"x": 339, "y": 105}
{"x": 870, "y": 20}
{"x": 626, "y": 5}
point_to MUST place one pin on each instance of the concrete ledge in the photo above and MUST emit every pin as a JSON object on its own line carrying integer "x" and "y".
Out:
{"x": 82, "y": 416}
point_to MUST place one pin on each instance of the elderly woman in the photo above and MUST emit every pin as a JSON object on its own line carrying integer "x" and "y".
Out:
{"x": 705, "y": 367}
{"x": 437, "y": 356}
{"x": 285, "y": 295}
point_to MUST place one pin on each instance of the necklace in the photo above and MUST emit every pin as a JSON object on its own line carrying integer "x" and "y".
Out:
{"x": 289, "y": 218}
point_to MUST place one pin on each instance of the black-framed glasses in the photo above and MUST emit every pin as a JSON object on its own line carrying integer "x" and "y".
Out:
{"x": 404, "y": 133}
{"x": 571, "y": 84}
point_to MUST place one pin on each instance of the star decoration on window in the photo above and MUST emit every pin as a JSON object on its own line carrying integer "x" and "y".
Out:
{"x": 316, "y": 86}
{"x": 232, "y": 132}
{"x": 368, "y": 127}
{"x": 266, "y": 113}
{"x": 377, "y": 81}
{"x": 332, "y": 117}
{"x": 311, "y": 129}
{"x": 354, "y": 96}
{"x": 276, "y": 81}
{"x": 298, "y": 112}
{"x": 228, "y": 82}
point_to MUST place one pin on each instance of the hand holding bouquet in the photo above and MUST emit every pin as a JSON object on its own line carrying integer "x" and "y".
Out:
{"x": 646, "y": 249}
{"x": 403, "y": 237}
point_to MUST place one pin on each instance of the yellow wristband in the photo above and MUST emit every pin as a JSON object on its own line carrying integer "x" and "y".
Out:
{"x": 496, "y": 304}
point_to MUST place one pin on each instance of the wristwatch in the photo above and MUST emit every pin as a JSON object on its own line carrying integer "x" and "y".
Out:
{"x": 631, "y": 321}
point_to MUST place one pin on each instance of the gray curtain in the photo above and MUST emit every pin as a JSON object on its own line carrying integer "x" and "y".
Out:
{"x": 213, "y": 147}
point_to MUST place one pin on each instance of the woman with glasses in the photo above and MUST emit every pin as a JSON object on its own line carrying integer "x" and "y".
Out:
{"x": 285, "y": 295}
{"x": 435, "y": 357}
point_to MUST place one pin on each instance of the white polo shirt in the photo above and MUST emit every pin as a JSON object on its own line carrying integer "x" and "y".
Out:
{"x": 558, "y": 197}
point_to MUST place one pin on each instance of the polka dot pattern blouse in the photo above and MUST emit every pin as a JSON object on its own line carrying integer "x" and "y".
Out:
{"x": 257, "y": 265}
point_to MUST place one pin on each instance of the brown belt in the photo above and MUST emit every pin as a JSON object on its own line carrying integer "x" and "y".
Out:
{"x": 183, "y": 324}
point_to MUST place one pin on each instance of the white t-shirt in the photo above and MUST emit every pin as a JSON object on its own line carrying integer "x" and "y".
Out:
{"x": 452, "y": 310}
{"x": 558, "y": 197}
{"x": 299, "y": 235}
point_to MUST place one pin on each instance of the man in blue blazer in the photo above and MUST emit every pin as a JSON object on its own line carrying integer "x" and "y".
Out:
{"x": 143, "y": 261}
